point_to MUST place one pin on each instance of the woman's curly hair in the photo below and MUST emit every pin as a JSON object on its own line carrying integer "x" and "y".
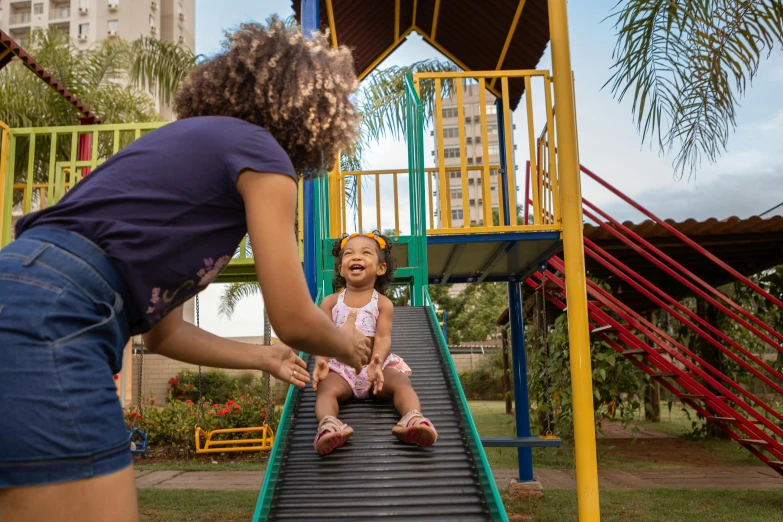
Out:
{"x": 384, "y": 256}
{"x": 297, "y": 88}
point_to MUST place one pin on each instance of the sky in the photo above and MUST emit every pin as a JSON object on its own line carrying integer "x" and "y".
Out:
{"x": 746, "y": 180}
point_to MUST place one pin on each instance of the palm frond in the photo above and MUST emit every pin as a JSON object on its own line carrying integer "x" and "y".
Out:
{"x": 233, "y": 294}
{"x": 160, "y": 66}
{"x": 686, "y": 65}
{"x": 383, "y": 98}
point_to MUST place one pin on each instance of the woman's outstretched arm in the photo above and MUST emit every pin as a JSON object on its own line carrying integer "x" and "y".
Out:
{"x": 178, "y": 339}
{"x": 270, "y": 205}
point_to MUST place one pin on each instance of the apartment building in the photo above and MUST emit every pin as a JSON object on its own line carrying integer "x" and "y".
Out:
{"x": 89, "y": 21}
{"x": 474, "y": 153}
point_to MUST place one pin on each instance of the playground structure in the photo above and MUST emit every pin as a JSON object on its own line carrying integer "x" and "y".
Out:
{"x": 453, "y": 477}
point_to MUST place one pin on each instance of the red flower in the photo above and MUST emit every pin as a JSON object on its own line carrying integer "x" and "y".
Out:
{"x": 229, "y": 403}
{"x": 237, "y": 406}
{"x": 152, "y": 400}
{"x": 263, "y": 415}
{"x": 215, "y": 405}
{"x": 189, "y": 402}
{"x": 173, "y": 380}
{"x": 241, "y": 396}
{"x": 179, "y": 396}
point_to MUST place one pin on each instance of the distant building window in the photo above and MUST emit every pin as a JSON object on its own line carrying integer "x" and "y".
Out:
{"x": 179, "y": 8}
{"x": 451, "y": 153}
{"x": 38, "y": 9}
{"x": 455, "y": 174}
{"x": 113, "y": 25}
{"x": 456, "y": 194}
{"x": 493, "y": 149}
{"x": 152, "y": 21}
{"x": 84, "y": 4}
{"x": 491, "y": 109}
{"x": 451, "y": 132}
{"x": 179, "y": 28}
{"x": 492, "y": 130}
{"x": 450, "y": 112}
{"x": 84, "y": 29}
{"x": 457, "y": 214}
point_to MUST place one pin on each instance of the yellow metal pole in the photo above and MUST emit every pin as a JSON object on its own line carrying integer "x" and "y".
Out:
{"x": 486, "y": 180}
{"x": 444, "y": 185}
{"x": 378, "y": 201}
{"x": 463, "y": 167}
{"x": 573, "y": 248}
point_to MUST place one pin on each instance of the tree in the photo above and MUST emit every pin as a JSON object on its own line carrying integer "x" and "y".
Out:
{"x": 113, "y": 78}
{"x": 686, "y": 64}
{"x": 471, "y": 314}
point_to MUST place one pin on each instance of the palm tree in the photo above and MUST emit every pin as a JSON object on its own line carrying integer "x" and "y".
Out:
{"x": 686, "y": 64}
{"x": 114, "y": 78}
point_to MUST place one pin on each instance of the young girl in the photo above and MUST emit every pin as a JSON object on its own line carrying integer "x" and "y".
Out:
{"x": 141, "y": 235}
{"x": 364, "y": 267}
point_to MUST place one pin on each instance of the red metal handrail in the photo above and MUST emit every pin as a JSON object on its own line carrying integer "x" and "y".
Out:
{"x": 678, "y": 273}
{"x": 683, "y": 238}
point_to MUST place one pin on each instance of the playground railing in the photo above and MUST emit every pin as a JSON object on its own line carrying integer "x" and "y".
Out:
{"x": 38, "y": 165}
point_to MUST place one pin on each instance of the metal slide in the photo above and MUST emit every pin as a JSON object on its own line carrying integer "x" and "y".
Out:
{"x": 373, "y": 476}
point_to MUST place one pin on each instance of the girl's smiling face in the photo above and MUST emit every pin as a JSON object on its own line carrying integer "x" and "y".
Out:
{"x": 360, "y": 264}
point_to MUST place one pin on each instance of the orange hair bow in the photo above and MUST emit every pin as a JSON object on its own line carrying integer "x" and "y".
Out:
{"x": 381, "y": 242}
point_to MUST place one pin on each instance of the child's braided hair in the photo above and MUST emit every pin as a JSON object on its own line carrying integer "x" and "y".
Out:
{"x": 384, "y": 256}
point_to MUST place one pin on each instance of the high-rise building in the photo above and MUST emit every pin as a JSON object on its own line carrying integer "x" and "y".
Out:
{"x": 474, "y": 152}
{"x": 90, "y": 21}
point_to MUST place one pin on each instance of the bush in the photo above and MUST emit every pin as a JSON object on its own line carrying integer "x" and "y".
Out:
{"x": 174, "y": 424}
{"x": 217, "y": 386}
{"x": 482, "y": 384}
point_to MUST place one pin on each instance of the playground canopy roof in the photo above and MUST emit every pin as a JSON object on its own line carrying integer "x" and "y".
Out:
{"x": 478, "y": 36}
{"x": 9, "y": 50}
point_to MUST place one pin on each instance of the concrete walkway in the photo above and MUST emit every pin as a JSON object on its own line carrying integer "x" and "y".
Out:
{"x": 681, "y": 478}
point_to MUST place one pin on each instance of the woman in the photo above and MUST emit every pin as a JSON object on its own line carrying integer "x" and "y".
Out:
{"x": 144, "y": 233}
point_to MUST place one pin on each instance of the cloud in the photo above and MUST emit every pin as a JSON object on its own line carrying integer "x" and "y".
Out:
{"x": 720, "y": 197}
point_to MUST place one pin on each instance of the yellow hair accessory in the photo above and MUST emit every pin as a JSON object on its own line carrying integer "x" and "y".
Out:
{"x": 381, "y": 242}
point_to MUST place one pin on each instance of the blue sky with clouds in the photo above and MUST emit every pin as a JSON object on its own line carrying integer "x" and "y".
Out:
{"x": 746, "y": 180}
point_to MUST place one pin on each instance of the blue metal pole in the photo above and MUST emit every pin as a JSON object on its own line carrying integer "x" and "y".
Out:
{"x": 502, "y": 145}
{"x": 310, "y": 23}
{"x": 519, "y": 367}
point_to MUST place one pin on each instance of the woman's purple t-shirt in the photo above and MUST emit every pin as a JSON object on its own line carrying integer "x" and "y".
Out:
{"x": 166, "y": 209}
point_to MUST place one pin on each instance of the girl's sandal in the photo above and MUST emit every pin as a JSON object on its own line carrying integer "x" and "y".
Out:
{"x": 414, "y": 428}
{"x": 331, "y": 435}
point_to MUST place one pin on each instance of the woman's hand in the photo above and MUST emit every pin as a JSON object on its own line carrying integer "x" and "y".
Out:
{"x": 375, "y": 374}
{"x": 360, "y": 344}
{"x": 281, "y": 362}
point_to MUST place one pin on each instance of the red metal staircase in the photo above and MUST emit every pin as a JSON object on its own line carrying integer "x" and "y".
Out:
{"x": 745, "y": 417}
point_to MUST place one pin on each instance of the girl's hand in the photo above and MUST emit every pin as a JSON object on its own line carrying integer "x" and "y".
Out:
{"x": 360, "y": 344}
{"x": 284, "y": 364}
{"x": 320, "y": 372}
{"x": 375, "y": 374}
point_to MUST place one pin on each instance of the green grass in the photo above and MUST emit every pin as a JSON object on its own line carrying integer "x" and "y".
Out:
{"x": 657, "y": 505}
{"x": 161, "y": 505}
{"x": 491, "y": 420}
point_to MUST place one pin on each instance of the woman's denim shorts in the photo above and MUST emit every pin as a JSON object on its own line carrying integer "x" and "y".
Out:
{"x": 62, "y": 333}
